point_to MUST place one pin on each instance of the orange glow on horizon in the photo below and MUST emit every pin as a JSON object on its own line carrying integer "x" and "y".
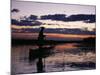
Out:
{"x": 51, "y": 35}
{"x": 68, "y": 35}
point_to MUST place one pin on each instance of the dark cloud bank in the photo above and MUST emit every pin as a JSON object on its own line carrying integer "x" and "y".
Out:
{"x": 88, "y": 18}
{"x": 31, "y": 20}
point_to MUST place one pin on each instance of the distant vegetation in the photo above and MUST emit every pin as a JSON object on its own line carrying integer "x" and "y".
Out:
{"x": 91, "y": 41}
{"x": 87, "y": 41}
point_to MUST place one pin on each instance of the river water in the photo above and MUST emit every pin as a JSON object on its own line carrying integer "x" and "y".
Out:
{"x": 61, "y": 57}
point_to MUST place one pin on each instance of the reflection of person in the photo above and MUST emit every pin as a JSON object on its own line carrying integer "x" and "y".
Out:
{"x": 40, "y": 66}
{"x": 41, "y": 36}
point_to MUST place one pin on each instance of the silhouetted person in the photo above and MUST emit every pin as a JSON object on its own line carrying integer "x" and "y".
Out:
{"x": 41, "y": 36}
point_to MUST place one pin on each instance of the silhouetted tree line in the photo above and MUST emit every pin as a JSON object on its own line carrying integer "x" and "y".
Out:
{"x": 91, "y": 40}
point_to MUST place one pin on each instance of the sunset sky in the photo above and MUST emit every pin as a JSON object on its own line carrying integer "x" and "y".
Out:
{"x": 39, "y": 9}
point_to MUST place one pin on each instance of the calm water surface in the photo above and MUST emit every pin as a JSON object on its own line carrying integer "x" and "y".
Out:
{"x": 59, "y": 58}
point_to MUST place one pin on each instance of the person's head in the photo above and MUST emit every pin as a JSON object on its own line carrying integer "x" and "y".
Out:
{"x": 42, "y": 28}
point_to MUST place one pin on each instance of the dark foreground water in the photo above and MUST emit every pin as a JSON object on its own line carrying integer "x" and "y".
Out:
{"x": 62, "y": 57}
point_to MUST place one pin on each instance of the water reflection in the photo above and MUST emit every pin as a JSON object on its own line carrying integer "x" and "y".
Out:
{"x": 25, "y": 58}
{"x": 41, "y": 57}
{"x": 41, "y": 53}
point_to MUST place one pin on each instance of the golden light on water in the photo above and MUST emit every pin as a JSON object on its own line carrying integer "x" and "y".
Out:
{"x": 65, "y": 46}
{"x": 69, "y": 35}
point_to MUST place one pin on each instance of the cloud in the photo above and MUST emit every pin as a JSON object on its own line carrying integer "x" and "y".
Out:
{"x": 59, "y": 17}
{"x": 87, "y": 18}
{"x": 82, "y": 17}
{"x": 32, "y": 17}
{"x": 25, "y": 22}
{"x": 15, "y": 10}
{"x": 33, "y": 20}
